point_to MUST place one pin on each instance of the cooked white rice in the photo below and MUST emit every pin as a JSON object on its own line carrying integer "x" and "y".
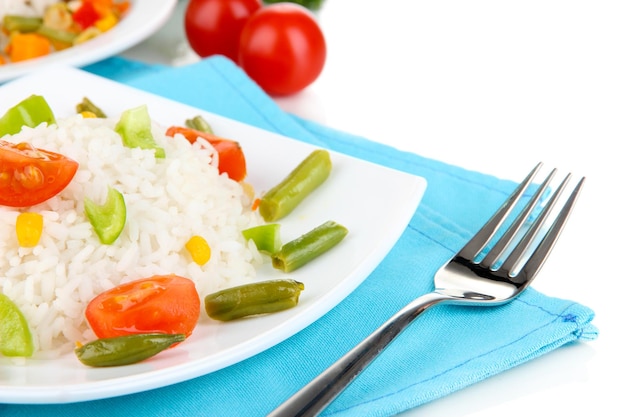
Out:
{"x": 168, "y": 200}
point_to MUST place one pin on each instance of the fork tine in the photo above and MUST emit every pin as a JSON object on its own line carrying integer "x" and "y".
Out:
{"x": 522, "y": 246}
{"x": 484, "y": 235}
{"x": 541, "y": 252}
{"x": 505, "y": 241}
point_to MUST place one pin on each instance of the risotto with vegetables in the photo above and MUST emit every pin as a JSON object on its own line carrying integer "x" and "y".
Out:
{"x": 168, "y": 200}
{"x": 35, "y": 28}
{"x": 117, "y": 230}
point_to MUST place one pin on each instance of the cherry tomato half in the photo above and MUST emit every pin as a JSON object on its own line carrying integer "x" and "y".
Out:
{"x": 159, "y": 304}
{"x": 231, "y": 159}
{"x": 282, "y": 48}
{"x": 30, "y": 176}
{"x": 212, "y": 27}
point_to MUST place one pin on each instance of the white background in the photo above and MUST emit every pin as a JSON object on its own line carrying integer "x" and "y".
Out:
{"x": 494, "y": 86}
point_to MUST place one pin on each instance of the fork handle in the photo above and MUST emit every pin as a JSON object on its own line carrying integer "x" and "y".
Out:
{"x": 313, "y": 398}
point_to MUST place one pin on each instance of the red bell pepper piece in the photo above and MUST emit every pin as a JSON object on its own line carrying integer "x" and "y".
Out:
{"x": 86, "y": 15}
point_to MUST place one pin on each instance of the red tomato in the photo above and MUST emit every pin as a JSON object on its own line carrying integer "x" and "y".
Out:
{"x": 231, "y": 159}
{"x": 160, "y": 304}
{"x": 213, "y": 26}
{"x": 282, "y": 48}
{"x": 30, "y": 176}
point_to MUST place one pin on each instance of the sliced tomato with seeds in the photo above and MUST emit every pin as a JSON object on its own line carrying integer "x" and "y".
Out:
{"x": 159, "y": 304}
{"x": 29, "y": 176}
{"x": 230, "y": 155}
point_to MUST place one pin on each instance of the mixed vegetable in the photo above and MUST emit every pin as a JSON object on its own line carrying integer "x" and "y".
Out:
{"x": 266, "y": 237}
{"x": 159, "y": 304}
{"x": 63, "y": 24}
{"x": 30, "y": 112}
{"x": 135, "y": 128}
{"x": 252, "y": 299}
{"x": 199, "y": 249}
{"x": 289, "y": 193}
{"x": 229, "y": 153}
{"x": 15, "y": 336}
{"x": 31, "y": 176}
{"x": 28, "y": 228}
{"x": 139, "y": 319}
{"x": 125, "y": 350}
{"x": 108, "y": 219}
{"x": 309, "y": 246}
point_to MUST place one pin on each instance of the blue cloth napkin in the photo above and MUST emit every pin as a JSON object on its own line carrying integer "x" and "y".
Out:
{"x": 447, "y": 349}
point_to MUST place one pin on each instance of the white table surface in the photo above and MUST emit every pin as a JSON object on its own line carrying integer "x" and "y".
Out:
{"x": 493, "y": 86}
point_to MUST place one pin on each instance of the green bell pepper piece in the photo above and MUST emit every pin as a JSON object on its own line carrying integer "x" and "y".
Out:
{"x": 109, "y": 219}
{"x": 135, "y": 128}
{"x": 15, "y": 336}
{"x": 266, "y": 237}
{"x": 31, "y": 112}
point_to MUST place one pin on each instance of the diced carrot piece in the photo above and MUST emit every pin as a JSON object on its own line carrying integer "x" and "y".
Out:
{"x": 23, "y": 46}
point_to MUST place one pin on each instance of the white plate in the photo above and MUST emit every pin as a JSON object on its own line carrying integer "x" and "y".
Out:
{"x": 144, "y": 18}
{"x": 374, "y": 202}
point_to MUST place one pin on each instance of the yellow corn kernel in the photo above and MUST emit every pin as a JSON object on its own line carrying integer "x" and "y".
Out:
{"x": 107, "y": 22}
{"x": 88, "y": 114}
{"x": 199, "y": 249}
{"x": 28, "y": 228}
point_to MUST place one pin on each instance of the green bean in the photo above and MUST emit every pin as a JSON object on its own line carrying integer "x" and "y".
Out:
{"x": 87, "y": 105}
{"x": 309, "y": 246}
{"x": 306, "y": 177}
{"x": 57, "y": 35}
{"x": 200, "y": 124}
{"x": 135, "y": 128}
{"x": 252, "y": 299}
{"x": 125, "y": 350}
{"x": 31, "y": 112}
{"x": 23, "y": 24}
{"x": 266, "y": 237}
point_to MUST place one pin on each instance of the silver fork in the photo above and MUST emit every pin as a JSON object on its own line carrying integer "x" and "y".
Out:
{"x": 470, "y": 277}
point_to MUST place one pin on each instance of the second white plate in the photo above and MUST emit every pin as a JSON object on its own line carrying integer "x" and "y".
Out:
{"x": 144, "y": 18}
